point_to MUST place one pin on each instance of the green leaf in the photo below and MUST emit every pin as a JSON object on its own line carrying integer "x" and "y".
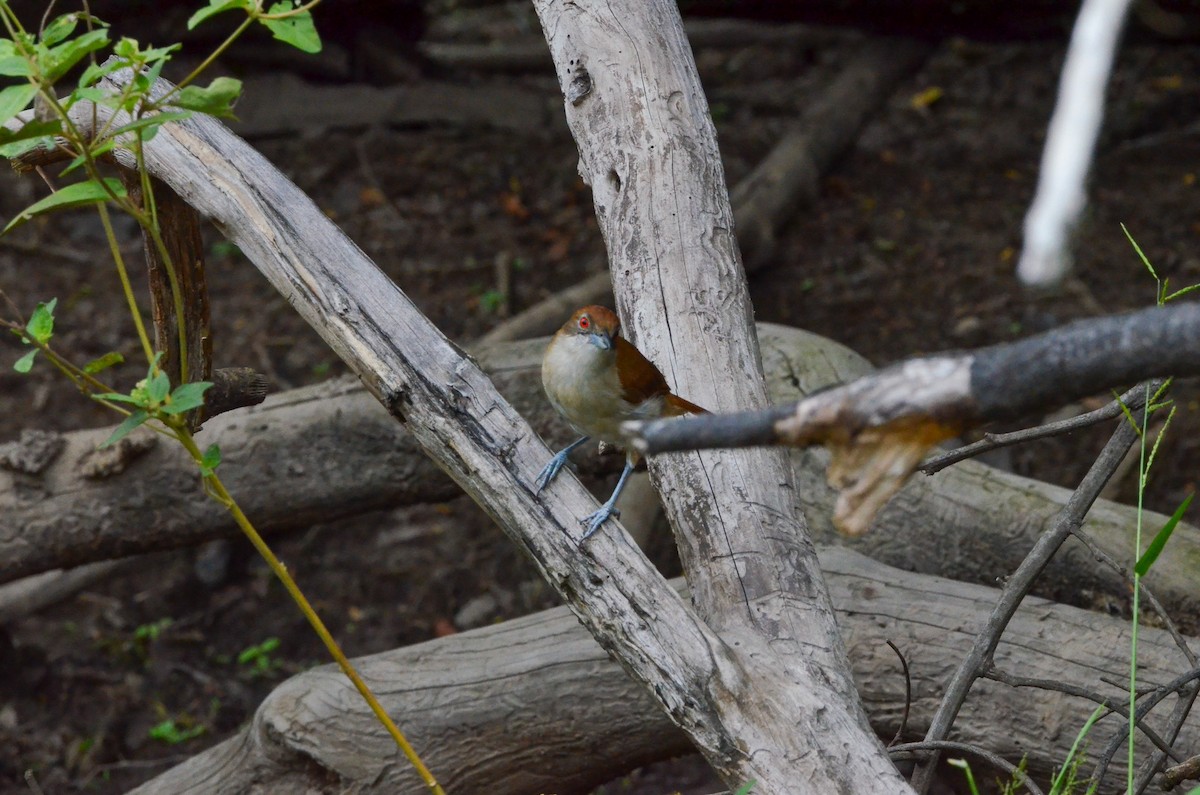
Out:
{"x": 15, "y": 66}
{"x": 31, "y": 129}
{"x": 187, "y": 397}
{"x": 158, "y": 386}
{"x": 76, "y": 195}
{"x": 95, "y": 71}
{"x": 298, "y": 30}
{"x": 1179, "y": 293}
{"x": 213, "y": 8}
{"x": 216, "y": 99}
{"x": 1138, "y": 249}
{"x": 91, "y": 94}
{"x": 60, "y": 59}
{"x": 41, "y": 322}
{"x": 59, "y": 29}
{"x": 96, "y": 151}
{"x": 102, "y": 363}
{"x": 25, "y": 363}
{"x": 15, "y": 99}
{"x": 1160, "y": 539}
{"x": 131, "y": 422}
{"x": 210, "y": 461}
{"x": 31, "y": 135}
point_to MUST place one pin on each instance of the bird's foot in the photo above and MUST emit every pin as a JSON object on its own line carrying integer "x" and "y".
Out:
{"x": 550, "y": 471}
{"x": 593, "y": 521}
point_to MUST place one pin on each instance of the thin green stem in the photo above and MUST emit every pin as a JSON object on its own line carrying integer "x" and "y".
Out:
{"x": 130, "y": 298}
{"x": 207, "y": 62}
{"x": 1136, "y": 606}
{"x": 217, "y": 489}
{"x": 310, "y": 5}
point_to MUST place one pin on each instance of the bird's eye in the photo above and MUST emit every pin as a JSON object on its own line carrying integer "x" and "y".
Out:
{"x": 584, "y": 323}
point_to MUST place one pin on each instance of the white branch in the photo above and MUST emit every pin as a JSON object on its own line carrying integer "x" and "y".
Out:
{"x": 1070, "y": 142}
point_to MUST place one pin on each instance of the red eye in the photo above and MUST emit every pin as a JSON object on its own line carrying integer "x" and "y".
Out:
{"x": 584, "y": 323}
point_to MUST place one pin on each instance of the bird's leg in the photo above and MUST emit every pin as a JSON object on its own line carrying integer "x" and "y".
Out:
{"x": 608, "y": 509}
{"x": 551, "y": 469}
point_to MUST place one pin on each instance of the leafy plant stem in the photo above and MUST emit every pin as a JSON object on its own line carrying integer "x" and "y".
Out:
{"x": 123, "y": 273}
{"x": 217, "y": 489}
{"x": 207, "y": 62}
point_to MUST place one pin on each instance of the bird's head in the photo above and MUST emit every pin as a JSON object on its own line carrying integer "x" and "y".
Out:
{"x": 595, "y": 325}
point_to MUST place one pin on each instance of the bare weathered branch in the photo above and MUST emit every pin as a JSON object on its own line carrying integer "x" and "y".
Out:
{"x": 648, "y": 150}
{"x": 881, "y": 426}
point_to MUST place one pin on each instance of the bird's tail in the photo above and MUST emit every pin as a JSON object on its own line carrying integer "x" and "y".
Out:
{"x": 675, "y": 406}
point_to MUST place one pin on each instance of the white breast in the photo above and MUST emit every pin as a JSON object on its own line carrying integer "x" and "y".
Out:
{"x": 582, "y": 384}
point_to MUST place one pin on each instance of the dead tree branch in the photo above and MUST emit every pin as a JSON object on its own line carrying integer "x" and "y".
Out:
{"x": 648, "y": 149}
{"x": 880, "y": 427}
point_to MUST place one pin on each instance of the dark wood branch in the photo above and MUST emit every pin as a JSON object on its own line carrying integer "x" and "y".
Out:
{"x": 1132, "y": 399}
{"x": 180, "y": 229}
{"x": 880, "y": 427}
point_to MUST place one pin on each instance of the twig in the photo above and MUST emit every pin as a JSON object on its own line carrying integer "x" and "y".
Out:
{"x": 959, "y": 389}
{"x": 907, "y": 695}
{"x": 1143, "y": 709}
{"x": 1133, "y": 399}
{"x": 1018, "y": 585}
{"x": 1187, "y": 770}
{"x": 1113, "y": 706}
{"x": 995, "y": 760}
{"x": 1179, "y": 715}
{"x": 1156, "y": 605}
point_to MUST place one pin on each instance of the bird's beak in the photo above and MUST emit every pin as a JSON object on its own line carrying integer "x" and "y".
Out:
{"x": 601, "y": 340}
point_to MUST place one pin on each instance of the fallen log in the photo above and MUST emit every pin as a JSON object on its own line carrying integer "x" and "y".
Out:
{"x": 325, "y": 452}
{"x": 535, "y": 705}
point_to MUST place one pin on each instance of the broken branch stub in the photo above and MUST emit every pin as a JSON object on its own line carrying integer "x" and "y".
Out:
{"x": 879, "y": 428}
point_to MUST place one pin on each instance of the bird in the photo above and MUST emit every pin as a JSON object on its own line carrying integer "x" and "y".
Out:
{"x": 596, "y": 379}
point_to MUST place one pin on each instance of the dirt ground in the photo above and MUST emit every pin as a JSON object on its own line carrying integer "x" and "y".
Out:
{"x": 910, "y": 249}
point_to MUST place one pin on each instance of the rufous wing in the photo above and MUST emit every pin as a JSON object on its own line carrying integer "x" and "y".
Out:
{"x": 676, "y": 406}
{"x": 641, "y": 381}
